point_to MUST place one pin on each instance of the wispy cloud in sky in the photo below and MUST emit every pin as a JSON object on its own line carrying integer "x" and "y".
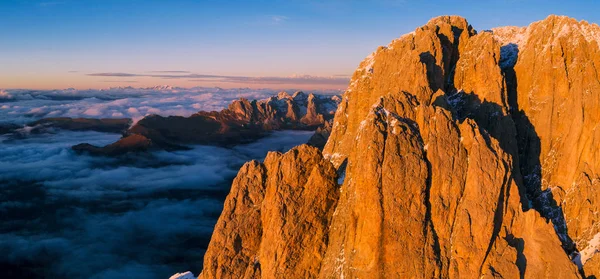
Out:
{"x": 278, "y": 19}
{"x": 340, "y": 80}
{"x": 114, "y": 75}
{"x": 171, "y": 72}
{"x": 122, "y": 81}
{"x": 51, "y": 3}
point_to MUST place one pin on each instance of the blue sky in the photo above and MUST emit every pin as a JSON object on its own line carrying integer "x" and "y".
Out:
{"x": 57, "y": 43}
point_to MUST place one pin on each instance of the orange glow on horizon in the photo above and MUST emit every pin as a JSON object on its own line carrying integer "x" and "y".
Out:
{"x": 81, "y": 81}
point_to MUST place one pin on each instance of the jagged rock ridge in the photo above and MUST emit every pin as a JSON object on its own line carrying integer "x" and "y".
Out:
{"x": 454, "y": 154}
{"x": 243, "y": 121}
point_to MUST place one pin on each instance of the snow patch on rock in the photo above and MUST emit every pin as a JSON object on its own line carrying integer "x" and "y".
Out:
{"x": 591, "y": 32}
{"x": 511, "y": 34}
{"x": 511, "y": 38}
{"x": 369, "y": 62}
{"x": 588, "y": 252}
{"x": 185, "y": 275}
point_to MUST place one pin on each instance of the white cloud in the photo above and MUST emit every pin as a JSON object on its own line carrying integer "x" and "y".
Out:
{"x": 133, "y": 111}
{"x": 5, "y": 96}
{"x": 279, "y": 19}
{"x": 93, "y": 111}
{"x": 94, "y": 217}
{"x": 145, "y": 216}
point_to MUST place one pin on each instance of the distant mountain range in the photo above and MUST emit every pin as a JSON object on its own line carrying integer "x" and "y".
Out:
{"x": 243, "y": 121}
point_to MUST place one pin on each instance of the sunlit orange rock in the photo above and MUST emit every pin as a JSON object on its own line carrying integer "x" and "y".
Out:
{"x": 454, "y": 154}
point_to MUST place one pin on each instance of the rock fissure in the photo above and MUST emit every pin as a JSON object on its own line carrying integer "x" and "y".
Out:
{"x": 383, "y": 120}
{"x": 429, "y": 227}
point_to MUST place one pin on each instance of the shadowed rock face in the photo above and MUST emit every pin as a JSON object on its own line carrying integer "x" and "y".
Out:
{"x": 556, "y": 108}
{"x": 319, "y": 138}
{"x": 243, "y": 121}
{"x": 457, "y": 154}
{"x": 126, "y": 144}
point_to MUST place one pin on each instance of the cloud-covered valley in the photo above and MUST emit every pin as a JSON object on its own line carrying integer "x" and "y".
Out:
{"x": 148, "y": 215}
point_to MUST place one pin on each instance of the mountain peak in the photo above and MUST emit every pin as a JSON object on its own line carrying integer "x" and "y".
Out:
{"x": 455, "y": 20}
{"x": 549, "y": 31}
{"x": 440, "y": 128}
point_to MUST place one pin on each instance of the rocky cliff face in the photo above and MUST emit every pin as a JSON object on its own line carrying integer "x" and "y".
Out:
{"x": 243, "y": 121}
{"x": 453, "y": 154}
{"x": 557, "y": 110}
{"x": 271, "y": 238}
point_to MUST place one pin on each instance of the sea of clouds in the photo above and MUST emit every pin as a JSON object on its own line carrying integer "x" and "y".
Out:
{"x": 149, "y": 215}
{"x": 23, "y": 106}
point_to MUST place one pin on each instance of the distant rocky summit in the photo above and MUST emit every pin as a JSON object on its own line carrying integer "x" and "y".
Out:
{"x": 453, "y": 154}
{"x": 243, "y": 121}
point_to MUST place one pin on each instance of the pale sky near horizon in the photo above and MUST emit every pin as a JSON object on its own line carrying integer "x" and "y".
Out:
{"x": 311, "y": 44}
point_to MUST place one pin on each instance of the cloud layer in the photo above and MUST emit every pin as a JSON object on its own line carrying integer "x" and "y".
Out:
{"x": 146, "y": 216}
{"x": 65, "y": 215}
{"x": 22, "y": 106}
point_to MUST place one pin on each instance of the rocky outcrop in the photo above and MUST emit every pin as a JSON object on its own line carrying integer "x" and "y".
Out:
{"x": 321, "y": 135}
{"x": 263, "y": 229}
{"x": 458, "y": 155}
{"x": 132, "y": 143}
{"x": 243, "y": 121}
